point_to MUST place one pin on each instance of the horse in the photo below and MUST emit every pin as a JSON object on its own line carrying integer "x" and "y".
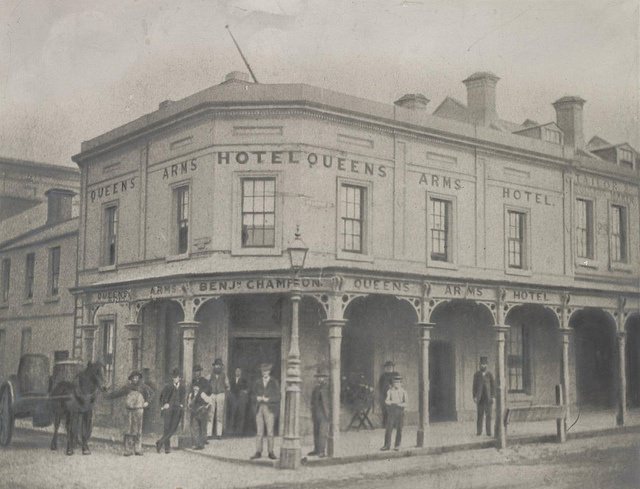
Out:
{"x": 74, "y": 402}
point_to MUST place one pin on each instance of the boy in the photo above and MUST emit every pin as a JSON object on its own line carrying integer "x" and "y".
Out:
{"x": 395, "y": 402}
{"x": 198, "y": 408}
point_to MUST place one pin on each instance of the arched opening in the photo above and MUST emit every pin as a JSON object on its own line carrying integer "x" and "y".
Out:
{"x": 463, "y": 334}
{"x": 595, "y": 358}
{"x": 533, "y": 354}
{"x": 380, "y": 328}
{"x": 633, "y": 361}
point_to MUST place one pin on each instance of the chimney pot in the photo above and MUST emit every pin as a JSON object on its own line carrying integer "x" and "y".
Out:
{"x": 413, "y": 101}
{"x": 59, "y": 205}
{"x": 481, "y": 97}
{"x": 237, "y": 76}
{"x": 569, "y": 120}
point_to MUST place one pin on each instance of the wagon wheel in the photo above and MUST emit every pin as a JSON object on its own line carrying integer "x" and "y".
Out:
{"x": 6, "y": 415}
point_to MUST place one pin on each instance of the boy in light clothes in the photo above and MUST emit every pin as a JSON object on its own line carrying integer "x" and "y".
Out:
{"x": 395, "y": 401}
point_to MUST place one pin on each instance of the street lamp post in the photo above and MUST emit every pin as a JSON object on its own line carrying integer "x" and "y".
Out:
{"x": 291, "y": 452}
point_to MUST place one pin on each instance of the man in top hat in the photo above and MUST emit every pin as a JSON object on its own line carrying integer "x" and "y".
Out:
{"x": 395, "y": 401}
{"x": 238, "y": 401}
{"x": 266, "y": 392}
{"x": 138, "y": 395}
{"x": 172, "y": 404}
{"x": 320, "y": 413}
{"x": 219, "y": 387}
{"x": 384, "y": 383}
{"x": 483, "y": 394}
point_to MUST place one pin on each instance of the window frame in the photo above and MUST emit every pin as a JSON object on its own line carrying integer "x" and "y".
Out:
{"x": 624, "y": 241}
{"x": 104, "y": 253}
{"x": 452, "y": 232}
{"x": 526, "y": 241}
{"x": 255, "y": 197}
{"x": 5, "y": 280}
{"x": 546, "y": 131}
{"x": 367, "y": 228}
{"x": 525, "y": 346}
{"x": 100, "y": 354}
{"x": 237, "y": 249}
{"x": 174, "y": 250}
{"x": 29, "y": 279}
{"x": 624, "y": 162}
{"x": 50, "y": 273}
{"x": 591, "y": 234}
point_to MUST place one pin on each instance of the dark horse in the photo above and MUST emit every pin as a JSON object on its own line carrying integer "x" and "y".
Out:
{"x": 74, "y": 401}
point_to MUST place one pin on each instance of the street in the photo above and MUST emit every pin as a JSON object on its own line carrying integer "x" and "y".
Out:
{"x": 601, "y": 462}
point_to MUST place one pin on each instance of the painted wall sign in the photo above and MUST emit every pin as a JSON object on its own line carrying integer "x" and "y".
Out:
{"x": 527, "y": 295}
{"x": 453, "y": 290}
{"x": 113, "y": 189}
{"x": 169, "y": 290}
{"x": 440, "y": 181}
{"x": 381, "y": 285}
{"x": 113, "y": 296}
{"x": 526, "y": 196}
{"x": 180, "y": 169}
{"x": 266, "y": 284}
{"x": 310, "y": 159}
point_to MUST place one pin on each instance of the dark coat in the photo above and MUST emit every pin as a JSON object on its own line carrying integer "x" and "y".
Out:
{"x": 385, "y": 382}
{"x": 321, "y": 402}
{"x": 484, "y": 388}
{"x": 204, "y": 384}
{"x": 172, "y": 396}
{"x": 271, "y": 392}
{"x": 240, "y": 385}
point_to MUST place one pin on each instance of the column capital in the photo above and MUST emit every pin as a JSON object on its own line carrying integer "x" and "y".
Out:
{"x": 621, "y": 334}
{"x": 425, "y": 325}
{"x": 295, "y": 294}
{"x": 189, "y": 324}
{"x": 565, "y": 332}
{"x": 334, "y": 322}
{"x": 501, "y": 328}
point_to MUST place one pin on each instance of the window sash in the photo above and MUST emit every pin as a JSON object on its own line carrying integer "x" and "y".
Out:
{"x": 618, "y": 234}
{"x": 54, "y": 270}
{"x": 258, "y": 212}
{"x": 30, "y": 266}
{"x": 182, "y": 219}
{"x": 440, "y": 229}
{"x": 515, "y": 241}
{"x": 107, "y": 351}
{"x": 584, "y": 229}
{"x": 111, "y": 234}
{"x": 6, "y": 279}
{"x": 517, "y": 358}
{"x": 352, "y": 218}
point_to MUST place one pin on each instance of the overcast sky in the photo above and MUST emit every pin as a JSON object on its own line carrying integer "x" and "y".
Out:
{"x": 73, "y": 69}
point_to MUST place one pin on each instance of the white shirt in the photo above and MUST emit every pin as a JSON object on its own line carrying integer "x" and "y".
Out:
{"x": 397, "y": 396}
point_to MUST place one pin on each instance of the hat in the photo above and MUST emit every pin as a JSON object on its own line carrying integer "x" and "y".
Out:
{"x": 218, "y": 362}
{"x": 133, "y": 374}
{"x": 266, "y": 366}
{"x": 389, "y": 363}
{"x": 197, "y": 368}
{"x": 396, "y": 376}
{"x": 175, "y": 372}
{"x": 483, "y": 360}
{"x": 321, "y": 372}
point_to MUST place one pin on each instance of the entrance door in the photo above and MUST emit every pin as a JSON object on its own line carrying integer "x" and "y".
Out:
{"x": 441, "y": 381}
{"x": 248, "y": 354}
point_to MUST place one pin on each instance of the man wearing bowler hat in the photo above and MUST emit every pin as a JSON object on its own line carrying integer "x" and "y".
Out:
{"x": 172, "y": 404}
{"x": 483, "y": 394}
{"x": 266, "y": 392}
{"x": 320, "y": 412}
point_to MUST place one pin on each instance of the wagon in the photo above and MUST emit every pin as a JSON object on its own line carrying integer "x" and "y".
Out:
{"x": 26, "y": 395}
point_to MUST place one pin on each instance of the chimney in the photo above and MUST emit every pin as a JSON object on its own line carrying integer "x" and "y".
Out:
{"x": 164, "y": 104}
{"x": 481, "y": 97}
{"x": 58, "y": 205}
{"x": 569, "y": 120}
{"x": 240, "y": 76}
{"x": 413, "y": 101}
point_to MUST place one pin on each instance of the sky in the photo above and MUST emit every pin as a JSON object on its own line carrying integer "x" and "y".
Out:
{"x": 71, "y": 70}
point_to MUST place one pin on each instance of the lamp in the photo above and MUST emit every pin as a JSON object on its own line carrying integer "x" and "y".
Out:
{"x": 297, "y": 252}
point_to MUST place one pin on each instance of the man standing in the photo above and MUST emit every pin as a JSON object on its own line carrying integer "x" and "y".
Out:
{"x": 219, "y": 388}
{"x": 266, "y": 392}
{"x": 483, "y": 394}
{"x": 320, "y": 413}
{"x": 239, "y": 398}
{"x": 395, "y": 401}
{"x": 198, "y": 410}
{"x": 137, "y": 395}
{"x": 172, "y": 404}
{"x": 386, "y": 379}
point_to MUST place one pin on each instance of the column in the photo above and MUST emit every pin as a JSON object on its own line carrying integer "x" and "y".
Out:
{"x": 135, "y": 339}
{"x": 501, "y": 399}
{"x": 423, "y": 380}
{"x": 188, "y": 338}
{"x": 622, "y": 380}
{"x": 564, "y": 381}
{"x": 334, "y": 327}
{"x": 88, "y": 339}
{"x": 291, "y": 453}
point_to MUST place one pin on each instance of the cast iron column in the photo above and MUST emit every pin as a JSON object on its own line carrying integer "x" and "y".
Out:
{"x": 335, "y": 341}
{"x": 423, "y": 381}
{"x": 291, "y": 453}
{"x": 501, "y": 400}
{"x": 188, "y": 339}
{"x": 566, "y": 336}
{"x": 622, "y": 380}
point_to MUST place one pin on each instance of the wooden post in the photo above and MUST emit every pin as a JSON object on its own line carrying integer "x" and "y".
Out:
{"x": 564, "y": 381}
{"x": 501, "y": 401}
{"x": 561, "y": 424}
{"x": 334, "y": 327}
{"x": 622, "y": 380}
{"x": 188, "y": 339}
{"x": 423, "y": 381}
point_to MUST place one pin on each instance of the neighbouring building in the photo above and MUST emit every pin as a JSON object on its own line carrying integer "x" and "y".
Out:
{"x": 38, "y": 243}
{"x": 444, "y": 236}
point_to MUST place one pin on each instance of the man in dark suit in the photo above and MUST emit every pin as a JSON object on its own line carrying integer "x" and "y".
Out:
{"x": 266, "y": 394}
{"x": 483, "y": 395}
{"x": 320, "y": 412}
{"x": 238, "y": 400}
{"x": 172, "y": 403}
{"x": 384, "y": 384}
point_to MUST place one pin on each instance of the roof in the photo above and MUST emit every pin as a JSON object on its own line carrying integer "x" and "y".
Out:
{"x": 38, "y": 165}
{"x": 481, "y": 75}
{"x": 596, "y": 142}
{"x": 46, "y": 232}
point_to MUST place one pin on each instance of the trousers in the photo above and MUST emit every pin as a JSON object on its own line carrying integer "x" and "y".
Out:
{"x": 216, "y": 414}
{"x": 320, "y": 434}
{"x": 265, "y": 420}
{"x": 172, "y": 419}
{"x": 238, "y": 407}
{"x": 135, "y": 428}
{"x": 484, "y": 411}
{"x": 395, "y": 419}
{"x": 199, "y": 427}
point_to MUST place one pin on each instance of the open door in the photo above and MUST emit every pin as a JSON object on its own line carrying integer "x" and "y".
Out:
{"x": 442, "y": 377}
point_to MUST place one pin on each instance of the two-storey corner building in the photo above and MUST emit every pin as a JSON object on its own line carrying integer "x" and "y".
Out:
{"x": 38, "y": 263}
{"x": 433, "y": 240}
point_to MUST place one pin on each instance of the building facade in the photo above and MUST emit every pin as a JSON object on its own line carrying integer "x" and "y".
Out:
{"x": 433, "y": 239}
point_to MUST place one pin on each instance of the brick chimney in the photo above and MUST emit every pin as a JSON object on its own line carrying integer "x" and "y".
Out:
{"x": 569, "y": 120}
{"x": 481, "y": 97}
{"x": 59, "y": 206}
{"x": 413, "y": 101}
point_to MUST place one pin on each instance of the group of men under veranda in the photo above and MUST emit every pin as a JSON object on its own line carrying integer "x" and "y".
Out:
{"x": 206, "y": 399}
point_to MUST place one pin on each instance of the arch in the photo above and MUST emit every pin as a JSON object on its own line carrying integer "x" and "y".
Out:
{"x": 632, "y": 357}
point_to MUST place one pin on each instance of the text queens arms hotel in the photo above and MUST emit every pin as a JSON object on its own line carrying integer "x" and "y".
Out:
{"x": 442, "y": 237}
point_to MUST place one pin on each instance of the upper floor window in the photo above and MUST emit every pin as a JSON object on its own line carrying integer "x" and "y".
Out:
{"x": 440, "y": 229}
{"x": 258, "y": 212}
{"x": 54, "y": 271}
{"x": 584, "y": 228}
{"x": 6, "y": 279}
{"x": 618, "y": 233}
{"x": 352, "y": 216}
{"x": 29, "y": 275}
{"x": 517, "y": 358}
{"x": 625, "y": 157}
{"x": 516, "y": 239}
{"x": 110, "y": 235}
{"x": 552, "y": 136}
{"x": 181, "y": 199}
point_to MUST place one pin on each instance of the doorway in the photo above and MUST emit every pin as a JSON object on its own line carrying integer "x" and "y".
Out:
{"x": 441, "y": 381}
{"x": 248, "y": 353}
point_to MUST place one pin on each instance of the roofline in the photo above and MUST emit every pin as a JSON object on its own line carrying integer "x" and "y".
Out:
{"x": 39, "y": 165}
{"x": 528, "y": 128}
{"x": 35, "y": 231}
